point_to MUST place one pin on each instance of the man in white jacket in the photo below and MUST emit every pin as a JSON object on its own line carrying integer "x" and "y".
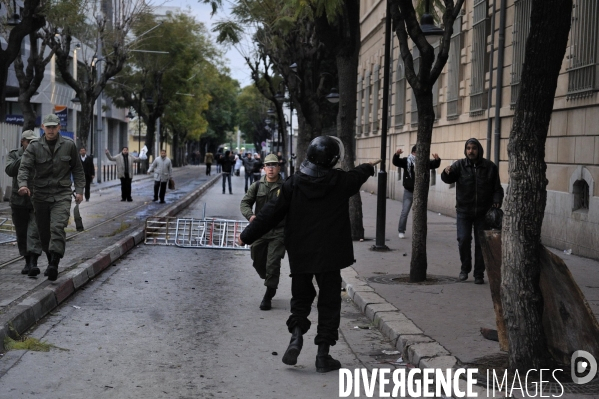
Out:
{"x": 163, "y": 169}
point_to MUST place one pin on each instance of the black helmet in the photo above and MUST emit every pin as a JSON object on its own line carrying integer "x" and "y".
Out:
{"x": 325, "y": 151}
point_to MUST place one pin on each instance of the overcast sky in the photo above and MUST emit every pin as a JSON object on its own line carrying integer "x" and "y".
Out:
{"x": 201, "y": 11}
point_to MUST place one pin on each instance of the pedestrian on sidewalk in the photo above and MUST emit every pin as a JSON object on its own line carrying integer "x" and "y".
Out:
{"x": 226, "y": 162}
{"x": 315, "y": 206}
{"x": 163, "y": 171}
{"x": 268, "y": 250}
{"x": 208, "y": 160}
{"x": 50, "y": 162}
{"x": 23, "y": 215}
{"x": 478, "y": 188}
{"x": 282, "y": 163}
{"x": 238, "y": 163}
{"x": 217, "y": 158}
{"x": 257, "y": 168}
{"x": 248, "y": 165}
{"x": 88, "y": 169}
{"x": 124, "y": 171}
{"x": 407, "y": 164}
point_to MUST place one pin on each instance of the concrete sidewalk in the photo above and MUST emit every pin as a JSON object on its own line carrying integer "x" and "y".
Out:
{"x": 434, "y": 325}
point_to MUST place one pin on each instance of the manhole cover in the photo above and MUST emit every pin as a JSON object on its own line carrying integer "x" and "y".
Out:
{"x": 405, "y": 279}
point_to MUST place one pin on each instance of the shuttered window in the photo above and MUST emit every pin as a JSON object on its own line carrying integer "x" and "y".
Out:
{"x": 360, "y": 106}
{"x": 400, "y": 94}
{"x": 520, "y": 34}
{"x": 376, "y": 86}
{"x": 453, "y": 71}
{"x": 414, "y": 105}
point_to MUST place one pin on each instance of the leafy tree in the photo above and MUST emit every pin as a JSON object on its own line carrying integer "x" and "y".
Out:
{"x": 105, "y": 34}
{"x": 152, "y": 80}
{"x": 527, "y": 191}
{"x": 252, "y": 107}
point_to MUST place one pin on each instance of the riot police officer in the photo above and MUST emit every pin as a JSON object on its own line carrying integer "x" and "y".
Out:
{"x": 315, "y": 206}
{"x": 49, "y": 162}
{"x": 23, "y": 216}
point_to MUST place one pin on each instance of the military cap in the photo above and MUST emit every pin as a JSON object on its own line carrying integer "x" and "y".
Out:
{"x": 51, "y": 120}
{"x": 271, "y": 158}
{"x": 29, "y": 135}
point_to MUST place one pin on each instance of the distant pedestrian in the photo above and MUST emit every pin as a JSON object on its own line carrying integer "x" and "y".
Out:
{"x": 478, "y": 188}
{"x": 124, "y": 171}
{"x": 208, "y": 160}
{"x": 217, "y": 157}
{"x": 257, "y": 168}
{"x": 226, "y": 162}
{"x": 268, "y": 250}
{"x": 282, "y": 164}
{"x": 238, "y": 163}
{"x": 88, "y": 169}
{"x": 248, "y": 165}
{"x": 407, "y": 164}
{"x": 51, "y": 161}
{"x": 23, "y": 214}
{"x": 163, "y": 171}
{"x": 315, "y": 206}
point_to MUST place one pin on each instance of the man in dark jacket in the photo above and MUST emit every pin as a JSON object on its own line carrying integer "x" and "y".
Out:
{"x": 248, "y": 165}
{"x": 226, "y": 162}
{"x": 407, "y": 164}
{"x": 88, "y": 169}
{"x": 315, "y": 206}
{"x": 478, "y": 188}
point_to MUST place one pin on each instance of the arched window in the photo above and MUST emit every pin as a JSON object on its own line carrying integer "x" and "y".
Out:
{"x": 580, "y": 190}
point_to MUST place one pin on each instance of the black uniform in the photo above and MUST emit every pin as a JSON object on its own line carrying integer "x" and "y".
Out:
{"x": 89, "y": 171}
{"x": 318, "y": 241}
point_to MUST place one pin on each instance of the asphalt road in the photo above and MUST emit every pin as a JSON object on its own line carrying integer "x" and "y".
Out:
{"x": 167, "y": 322}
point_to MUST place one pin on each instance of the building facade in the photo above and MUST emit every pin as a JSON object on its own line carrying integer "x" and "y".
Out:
{"x": 467, "y": 105}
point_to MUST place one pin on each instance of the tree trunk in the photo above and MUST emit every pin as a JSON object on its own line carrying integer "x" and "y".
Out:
{"x": 526, "y": 195}
{"x": 426, "y": 117}
{"x": 84, "y": 123}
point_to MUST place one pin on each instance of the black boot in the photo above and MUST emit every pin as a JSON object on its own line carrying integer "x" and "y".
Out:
{"x": 266, "y": 301}
{"x": 27, "y": 265}
{"x": 53, "y": 266}
{"x": 33, "y": 270}
{"x": 294, "y": 348}
{"x": 324, "y": 361}
{"x": 47, "y": 257}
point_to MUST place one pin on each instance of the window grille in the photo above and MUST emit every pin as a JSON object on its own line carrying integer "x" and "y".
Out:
{"x": 366, "y": 121}
{"x": 582, "y": 57}
{"x": 360, "y": 106}
{"x": 520, "y": 34}
{"x": 400, "y": 93}
{"x": 453, "y": 68}
{"x": 414, "y": 105}
{"x": 479, "y": 59}
{"x": 376, "y": 84}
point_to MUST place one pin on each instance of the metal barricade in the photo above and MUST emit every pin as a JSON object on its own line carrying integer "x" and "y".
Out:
{"x": 160, "y": 230}
{"x": 7, "y": 231}
{"x": 209, "y": 233}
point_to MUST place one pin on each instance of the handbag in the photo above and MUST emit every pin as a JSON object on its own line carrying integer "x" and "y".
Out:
{"x": 171, "y": 184}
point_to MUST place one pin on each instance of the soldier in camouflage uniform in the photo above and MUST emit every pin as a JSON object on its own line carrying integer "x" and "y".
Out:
{"x": 51, "y": 160}
{"x": 268, "y": 250}
{"x": 23, "y": 216}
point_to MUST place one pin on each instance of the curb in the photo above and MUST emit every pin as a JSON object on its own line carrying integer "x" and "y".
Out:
{"x": 415, "y": 346}
{"x": 32, "y": 309}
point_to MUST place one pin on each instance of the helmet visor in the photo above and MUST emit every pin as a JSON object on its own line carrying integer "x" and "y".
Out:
{"x": 341, "y": 150}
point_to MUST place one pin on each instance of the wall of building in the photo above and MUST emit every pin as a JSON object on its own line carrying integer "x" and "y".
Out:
{"x": 572, "y": 147}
